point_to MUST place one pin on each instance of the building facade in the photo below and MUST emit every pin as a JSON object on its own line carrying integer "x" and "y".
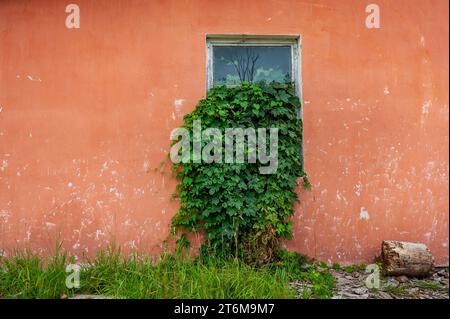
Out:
{"x": 86, "y": 112}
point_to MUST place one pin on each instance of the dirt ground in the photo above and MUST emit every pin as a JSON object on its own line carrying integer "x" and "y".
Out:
{"x": 353, "y": 286}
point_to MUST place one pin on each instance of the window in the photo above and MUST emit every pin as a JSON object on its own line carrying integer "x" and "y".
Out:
{"x": 233, "y": 59}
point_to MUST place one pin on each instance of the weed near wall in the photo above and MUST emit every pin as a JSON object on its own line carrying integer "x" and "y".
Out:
{"x": 112, "y": 274}
{"x": 135, "y": 276}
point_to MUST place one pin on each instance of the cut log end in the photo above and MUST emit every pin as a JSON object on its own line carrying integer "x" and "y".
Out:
{"x": 409, "y": 259}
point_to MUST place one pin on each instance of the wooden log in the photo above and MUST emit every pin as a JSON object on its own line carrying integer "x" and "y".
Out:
{"x": 408, "y": 259}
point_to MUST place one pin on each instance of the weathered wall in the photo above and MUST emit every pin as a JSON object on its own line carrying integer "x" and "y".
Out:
{"x": 85, "y": 117}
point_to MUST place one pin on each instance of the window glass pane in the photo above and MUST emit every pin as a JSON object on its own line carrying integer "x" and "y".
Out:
{"x": 235, "y": 64}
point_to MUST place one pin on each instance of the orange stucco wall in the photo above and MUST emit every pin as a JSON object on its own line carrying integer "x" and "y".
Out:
{"x": 85, "y": 117}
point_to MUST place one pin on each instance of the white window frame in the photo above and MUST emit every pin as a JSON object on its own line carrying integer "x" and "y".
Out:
{"x": 293, "y": 41}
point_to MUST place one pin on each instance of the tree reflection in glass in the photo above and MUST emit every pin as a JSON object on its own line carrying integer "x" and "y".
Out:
{"x": 235, "y": 64}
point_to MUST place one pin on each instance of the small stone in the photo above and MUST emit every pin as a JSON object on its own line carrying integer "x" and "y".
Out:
{"x": 352, "y": 296}
{"x": 393, "y": 282}
{"x": 384, "y": 295}
{"x": 63, "y": 296}
{"x": 402, "y": 279}
{"x": 360, "y": 291}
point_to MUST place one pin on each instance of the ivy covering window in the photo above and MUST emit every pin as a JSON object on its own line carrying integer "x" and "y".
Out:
{"x": 236, "y": 59}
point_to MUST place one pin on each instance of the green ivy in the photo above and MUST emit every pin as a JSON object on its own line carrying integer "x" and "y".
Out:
{"x": 240, "y": 211}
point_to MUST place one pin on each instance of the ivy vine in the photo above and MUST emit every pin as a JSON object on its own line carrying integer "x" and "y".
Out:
{"x": 240, "y": 211}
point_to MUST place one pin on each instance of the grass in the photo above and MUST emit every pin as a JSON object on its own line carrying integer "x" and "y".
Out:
{"x": 396, "y": 290}
{"x": 314, "y": 273}
{"x": 430, "y": 285}
{"x": 350, "y": 269}
{"x": 173, "y": 276}
{"x": 356, "y": 267}
{"x": 24, "y": 276}
{"x": 336, "y": 266}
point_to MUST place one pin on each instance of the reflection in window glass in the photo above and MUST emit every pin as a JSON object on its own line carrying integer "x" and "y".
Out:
{"x": 235, "y": 64}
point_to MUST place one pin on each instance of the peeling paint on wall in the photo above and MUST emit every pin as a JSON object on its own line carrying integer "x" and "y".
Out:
{"x": 363, "y": 214}
{"x": 81, "y": 143}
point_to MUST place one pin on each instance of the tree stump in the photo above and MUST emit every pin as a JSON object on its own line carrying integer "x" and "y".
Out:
{"x": 408, "y": 259}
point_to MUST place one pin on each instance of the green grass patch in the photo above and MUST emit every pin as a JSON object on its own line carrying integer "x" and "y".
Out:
{"x": 172, "y": 276}
{"x": 313, "y": 273}
{"x": 336, "y": 266}
{"x": 355, "y": 267}
{"x": 429, "y": 285}
{"x": 396, "y": 290}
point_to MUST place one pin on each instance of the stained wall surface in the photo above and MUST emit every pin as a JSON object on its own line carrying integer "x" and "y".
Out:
{"x": 85, "y": 118}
